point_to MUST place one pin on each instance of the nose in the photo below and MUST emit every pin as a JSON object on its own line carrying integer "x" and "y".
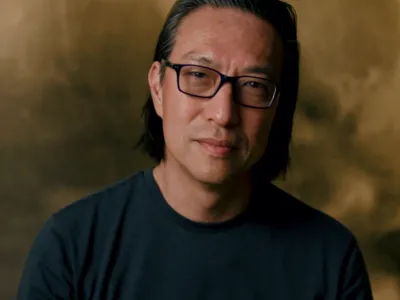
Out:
{"x": 221, "y": 109}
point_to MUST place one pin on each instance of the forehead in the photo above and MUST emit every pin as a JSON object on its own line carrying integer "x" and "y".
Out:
{"x": 226, "y": 35}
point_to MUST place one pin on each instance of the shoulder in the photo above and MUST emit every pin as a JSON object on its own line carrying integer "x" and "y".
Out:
{"x": 72, "y": 230}
{"x": 68, "y": 234}
{"x": 299, "y": 220}
{"x": 325, "y": 248}
{"x": 101, "y": 206}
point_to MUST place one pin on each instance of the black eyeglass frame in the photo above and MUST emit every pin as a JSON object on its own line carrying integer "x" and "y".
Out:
{"x": 224, "y": 79}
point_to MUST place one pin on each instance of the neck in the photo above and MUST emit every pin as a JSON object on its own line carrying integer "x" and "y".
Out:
{"x": 201, "y": 202}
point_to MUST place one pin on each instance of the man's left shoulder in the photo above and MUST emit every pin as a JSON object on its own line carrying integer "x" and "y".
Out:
{"x": 307, "y": 221}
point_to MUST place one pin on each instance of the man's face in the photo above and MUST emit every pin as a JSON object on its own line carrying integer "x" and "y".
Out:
{"x": 216, "y": 139}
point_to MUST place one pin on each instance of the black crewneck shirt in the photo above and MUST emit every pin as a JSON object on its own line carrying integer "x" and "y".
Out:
{"x": 125, "y": 242}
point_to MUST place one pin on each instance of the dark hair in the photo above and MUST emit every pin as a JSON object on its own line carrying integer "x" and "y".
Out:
{"x": 281, "y": 15}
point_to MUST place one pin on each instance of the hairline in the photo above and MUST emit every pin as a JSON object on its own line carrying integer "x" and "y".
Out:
{"x": 264, "y": 70}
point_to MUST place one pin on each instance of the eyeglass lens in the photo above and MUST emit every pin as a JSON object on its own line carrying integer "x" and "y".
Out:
{"x": 204, "y": 82}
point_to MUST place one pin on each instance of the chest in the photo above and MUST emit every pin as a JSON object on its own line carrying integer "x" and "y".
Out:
{"x": 219, "y": 267}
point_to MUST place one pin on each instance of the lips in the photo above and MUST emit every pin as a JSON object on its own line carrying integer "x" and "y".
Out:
{"x": 218, "y": 147}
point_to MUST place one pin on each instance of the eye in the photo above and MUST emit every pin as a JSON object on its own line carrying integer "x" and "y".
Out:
{"x": 197, "y": 74}
{"x": 254, "y": 84}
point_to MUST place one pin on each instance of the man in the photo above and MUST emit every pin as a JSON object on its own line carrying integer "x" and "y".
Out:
{"x": 206, "y": 222}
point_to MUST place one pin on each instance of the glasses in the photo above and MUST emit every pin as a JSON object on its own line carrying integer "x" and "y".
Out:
{"x": 203, "y": 82}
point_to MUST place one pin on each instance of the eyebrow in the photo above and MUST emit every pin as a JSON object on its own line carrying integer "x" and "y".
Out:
{"x": 201, "y": 58}
{"x": 264, "y": 70}
{"x": 208, "y": 61}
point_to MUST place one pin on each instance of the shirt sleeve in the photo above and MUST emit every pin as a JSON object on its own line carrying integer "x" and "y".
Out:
{"x": 355, "y": 284}
{"x": 47, "y": 273}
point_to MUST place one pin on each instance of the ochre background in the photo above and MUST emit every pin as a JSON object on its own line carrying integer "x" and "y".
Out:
{"x": 73, "y": 79}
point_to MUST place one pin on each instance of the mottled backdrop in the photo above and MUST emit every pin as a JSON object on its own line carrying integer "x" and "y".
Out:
{"x": 73, "y": 80}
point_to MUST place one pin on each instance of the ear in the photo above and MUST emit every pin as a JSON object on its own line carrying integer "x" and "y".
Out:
{"x": 155, "y": 87}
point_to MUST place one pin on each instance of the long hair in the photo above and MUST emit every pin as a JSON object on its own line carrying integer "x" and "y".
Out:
{"x": 276, "y": 159}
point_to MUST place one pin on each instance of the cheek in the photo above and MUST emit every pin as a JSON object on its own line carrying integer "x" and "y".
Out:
{"x": 256, "y": 128}
{"x": 178, "y": 113}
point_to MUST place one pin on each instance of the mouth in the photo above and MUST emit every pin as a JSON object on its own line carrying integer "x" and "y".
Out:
{"x": 218, "y": 148}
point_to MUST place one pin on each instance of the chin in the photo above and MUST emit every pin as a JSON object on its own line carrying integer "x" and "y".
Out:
{"x": 212, "y": 173}
{"x": 208, "y": 169}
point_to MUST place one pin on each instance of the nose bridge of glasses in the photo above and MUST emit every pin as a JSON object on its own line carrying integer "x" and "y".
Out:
{"x": 227, "y": 79}
{"x": 233, "y": 93}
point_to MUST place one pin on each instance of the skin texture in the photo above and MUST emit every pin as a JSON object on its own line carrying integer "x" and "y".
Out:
{"x": 214, "y": 186}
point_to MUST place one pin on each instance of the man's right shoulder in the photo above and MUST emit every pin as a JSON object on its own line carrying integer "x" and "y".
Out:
{"x": 103, "y": 205}
{"x": 71, "y": 237}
